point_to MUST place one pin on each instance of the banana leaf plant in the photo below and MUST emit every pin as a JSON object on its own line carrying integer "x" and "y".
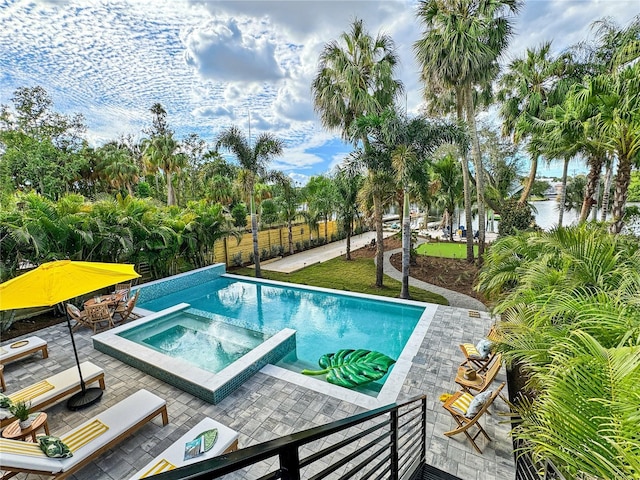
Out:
{"x": 351, "y": 368}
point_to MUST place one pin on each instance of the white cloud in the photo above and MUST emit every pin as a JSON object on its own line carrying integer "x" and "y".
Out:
{"x": 210, "y": 63}
{"x": 228, "y": 51}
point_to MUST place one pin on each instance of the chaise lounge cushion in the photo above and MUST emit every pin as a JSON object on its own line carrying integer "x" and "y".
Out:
{"x": 47, "y": 391}
{"x": 12, "y": 351}
{"x": 173, "y": 457}
{"x": 118, "y": 419}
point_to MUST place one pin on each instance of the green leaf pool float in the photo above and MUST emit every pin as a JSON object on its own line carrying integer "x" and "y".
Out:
{"x": 350, "y": 368}
{"x": 210, "y": 437}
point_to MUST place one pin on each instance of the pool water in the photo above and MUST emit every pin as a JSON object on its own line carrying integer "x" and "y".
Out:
{"x": 204, "y": 342}
{"x": 324, "y": 322}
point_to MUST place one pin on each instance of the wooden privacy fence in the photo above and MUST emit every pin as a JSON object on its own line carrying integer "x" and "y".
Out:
{"x": 272, "y": 242}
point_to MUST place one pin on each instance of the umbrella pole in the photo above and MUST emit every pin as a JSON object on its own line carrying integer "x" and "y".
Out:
{"x": 87, "y": 396}
{"x": 75, "y": 351}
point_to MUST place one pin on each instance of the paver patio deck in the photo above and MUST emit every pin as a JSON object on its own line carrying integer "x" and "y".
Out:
{"x": 265, "y": 407}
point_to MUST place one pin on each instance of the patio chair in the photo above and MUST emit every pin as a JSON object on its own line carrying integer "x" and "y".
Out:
{"x": 98, "y": 317}
{"x": 482, "y": 381}
{"x": 87, "y": 441}
{"x": 125, "y": 310}
{"x": 173, "y": 456}
{"x": 123, "y": 287}
{"x": 466, "y": 413}
{"x": 54, "y": 388}
{"x": 481, "y": 355}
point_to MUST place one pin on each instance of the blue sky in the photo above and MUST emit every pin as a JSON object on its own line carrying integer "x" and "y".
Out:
{"x": 210, "y": 63}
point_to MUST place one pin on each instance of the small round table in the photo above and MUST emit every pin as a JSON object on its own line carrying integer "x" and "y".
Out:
{"x": 465, "y": 383}
{"x": 14, "y": 432}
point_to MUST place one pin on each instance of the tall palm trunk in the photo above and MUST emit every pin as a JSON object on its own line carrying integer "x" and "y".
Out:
{"x": 593, "y": 184}
{"x": 594, "y": 209}
{"x": 349, "y": 228}
{"x": 406, "y": 244}
{"x": 477, "y": 158}
{"x": 607, "y": 189}
{"x": 171, "y": 199}
{"x": 290, "y": 236}
{"x": 466, "y": 186}
{"x": 526, "y": 191}
{"x": 254, "y": 234}
{"x": 377, "y": 218}
{"x": 563, "y": 193}
{"x": 623, "y": 178}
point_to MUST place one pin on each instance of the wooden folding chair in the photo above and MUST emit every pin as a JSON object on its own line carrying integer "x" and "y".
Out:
{"x": 124, "y": 311}
{"x": 98, "y": 317}
{"x": 123, "y": 287}
{"x": 464, "y": 423}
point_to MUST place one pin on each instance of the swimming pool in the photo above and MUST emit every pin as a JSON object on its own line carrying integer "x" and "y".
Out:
{"x": 324, "y": 321}
{"x": 204, "y": 342}
{"x": 298, "y": 323}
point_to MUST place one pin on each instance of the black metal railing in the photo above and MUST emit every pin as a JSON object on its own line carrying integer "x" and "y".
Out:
{"x": 527, "y": 469}
{"x": 389, "y": 443}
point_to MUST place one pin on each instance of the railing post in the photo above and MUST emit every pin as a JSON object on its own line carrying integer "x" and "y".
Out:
{"x": 290, "y": 463}
{"x": 423, "y": 458}
{"x": 394, "y": 444}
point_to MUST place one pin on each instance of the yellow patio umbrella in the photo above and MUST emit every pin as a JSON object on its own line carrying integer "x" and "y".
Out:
{"x": 56, "y": 282}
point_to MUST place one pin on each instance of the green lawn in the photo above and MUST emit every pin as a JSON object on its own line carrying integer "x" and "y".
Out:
{"x": 354, "y": 276}
{"x": 445, "y": 250}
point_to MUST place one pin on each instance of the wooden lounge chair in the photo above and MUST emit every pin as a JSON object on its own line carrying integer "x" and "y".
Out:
{"x": 482, "y": 380}
{"x": 465, "y": 423}
{"x": 22, "y": 348}
{"x": 98, "y": 317}
{"x": 87, "y": 441}
{"x": 54, "y": 388}
{"x": 124, "y": 311}
{"x": 173, "y": 457}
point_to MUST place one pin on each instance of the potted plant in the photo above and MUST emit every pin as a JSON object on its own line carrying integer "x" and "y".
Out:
{"x": 21, "y": 411}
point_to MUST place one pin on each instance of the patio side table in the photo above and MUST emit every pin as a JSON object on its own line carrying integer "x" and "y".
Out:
{"x": 14, "y": 432}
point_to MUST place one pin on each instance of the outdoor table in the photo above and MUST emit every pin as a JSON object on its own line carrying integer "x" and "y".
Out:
{"x": 465, "y": 383}
{"x": 14, "y": 432}
{"x": 112, "y": 299}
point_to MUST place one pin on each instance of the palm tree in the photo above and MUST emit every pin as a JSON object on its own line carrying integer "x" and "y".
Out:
{"x": 253, "y": 162}
{"x": 287, "y": 199}
{"x": 118, "y": 166}
{"x": 355, "y": 78}
{"x": 348, "y": 183}
{"x": 460, "y": 50}
{"x": 562, "y": 136}
{"x": 163, "y": 153}
{"x": 532, "y": 84}
{"x": 409, "y": 143}
{"x": 448, "y": 182}
{"x": 616, "y": 99}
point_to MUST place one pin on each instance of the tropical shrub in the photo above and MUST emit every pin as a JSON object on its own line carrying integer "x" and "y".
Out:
{"x": 126, "y": 229}
{"x": 570, "y": 321}
{"x": 514, "y": 217}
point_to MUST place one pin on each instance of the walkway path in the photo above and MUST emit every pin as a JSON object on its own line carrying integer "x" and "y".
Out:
{"x": 455, "y": 299}
{"x": 326, "y": 252}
